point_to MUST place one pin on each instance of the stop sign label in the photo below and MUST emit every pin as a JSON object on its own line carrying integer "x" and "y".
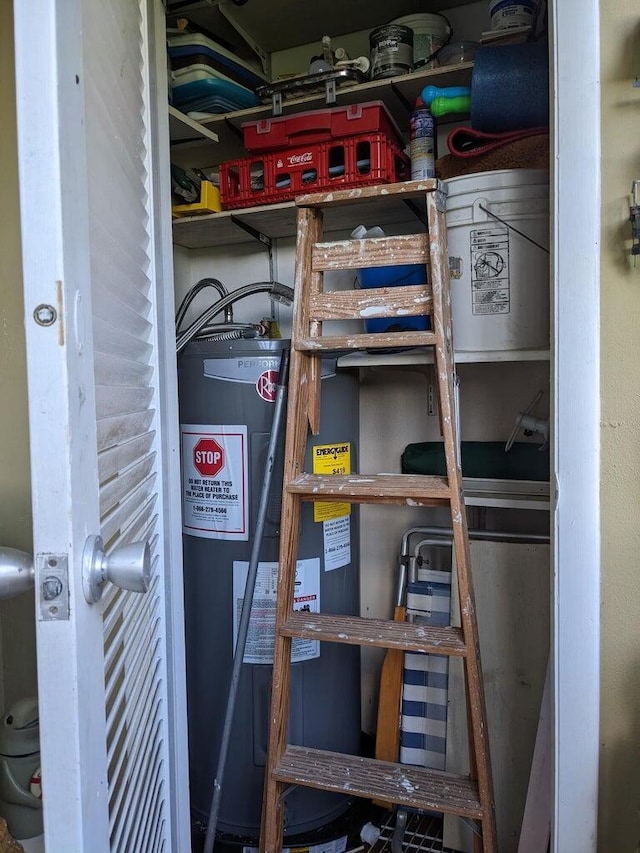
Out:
{"x": 208, "y": 457}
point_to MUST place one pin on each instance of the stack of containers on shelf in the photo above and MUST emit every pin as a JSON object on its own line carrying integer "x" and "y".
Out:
{"x": 209, "y": 78}
{"x": 314, "y": 151}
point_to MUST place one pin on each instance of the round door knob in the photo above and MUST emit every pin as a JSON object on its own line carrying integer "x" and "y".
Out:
{"x": 128, "y": 566}
{"x": 16, "y": 572}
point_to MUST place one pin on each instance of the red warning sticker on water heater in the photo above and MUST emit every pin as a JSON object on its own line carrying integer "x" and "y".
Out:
{"x": 266, "y": 385}
{"x": 215, "y": 491}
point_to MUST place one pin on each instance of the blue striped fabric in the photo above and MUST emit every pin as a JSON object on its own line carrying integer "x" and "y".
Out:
{"x": 423, "y": 733}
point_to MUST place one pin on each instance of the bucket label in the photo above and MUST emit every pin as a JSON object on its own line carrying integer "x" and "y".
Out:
{"x": 215, "y": 491}
{"x": 455, "y": 267}
{"x": 331, "y": 459}
{"x": 262, "y": 622}
{"x": 490, "y": 285}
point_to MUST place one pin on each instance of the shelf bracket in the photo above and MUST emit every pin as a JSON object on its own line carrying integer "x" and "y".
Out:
{"x": 405, "y": 103}
{"x": 226, "y": 10}
{"x": 266, "y": 241}
{"x": 417, "y": 212}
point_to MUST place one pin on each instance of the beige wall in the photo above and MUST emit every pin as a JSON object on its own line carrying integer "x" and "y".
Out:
{"x": 17, "y": 635}
{"x": 620, "y": 383}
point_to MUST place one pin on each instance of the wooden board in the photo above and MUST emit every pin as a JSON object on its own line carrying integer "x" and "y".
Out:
{"x": 511, "y": 584}
{"x": 371, "y": 252}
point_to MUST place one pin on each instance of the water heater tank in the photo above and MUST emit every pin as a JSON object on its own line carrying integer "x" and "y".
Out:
{"x": 226, "y": 392}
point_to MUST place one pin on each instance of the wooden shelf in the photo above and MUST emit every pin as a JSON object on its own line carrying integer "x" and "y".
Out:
{"x": 398, "y": 94}
{"x": 418, "y": 357}
{"x": 277, "y": 221}
{"x": 183, "y": 129}
{"x": 507, "y": 494}
{"x": 288, "y": 23}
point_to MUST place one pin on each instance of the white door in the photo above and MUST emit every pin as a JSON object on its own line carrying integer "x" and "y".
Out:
{"x": 93, "y": 153}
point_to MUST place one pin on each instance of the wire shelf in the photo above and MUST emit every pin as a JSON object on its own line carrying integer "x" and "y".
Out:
{"x": 423, "y": 834}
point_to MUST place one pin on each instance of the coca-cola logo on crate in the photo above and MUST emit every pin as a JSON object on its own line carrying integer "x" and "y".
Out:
{"x": 300, "y": 159}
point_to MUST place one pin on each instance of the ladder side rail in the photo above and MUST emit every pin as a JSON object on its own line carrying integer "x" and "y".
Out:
{"x": 299, "y": 403}
{"x": 440, "y": 283}
{"x": 309, "y": 283}
{"x": 273, "y": 818}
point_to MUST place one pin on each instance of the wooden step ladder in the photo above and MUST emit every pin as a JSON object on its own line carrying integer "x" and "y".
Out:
{"x": 288, "y": 764}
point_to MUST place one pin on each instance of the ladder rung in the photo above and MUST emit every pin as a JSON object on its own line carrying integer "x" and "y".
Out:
{"x": 372, "y": 252}
{"x": 406, "y": 189}
{"x": 405, "y": 784}
{"x": 409, "y": 301}
{"x": 407, "y": 489}
{"x": 382, "y": 633}
{"x": 379, "y": 340}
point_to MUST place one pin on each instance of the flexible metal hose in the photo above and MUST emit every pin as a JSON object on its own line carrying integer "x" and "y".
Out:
{"x": 193, "y": 292}
{"x": 231, "y": 335}
{"x": 276, "y": 291}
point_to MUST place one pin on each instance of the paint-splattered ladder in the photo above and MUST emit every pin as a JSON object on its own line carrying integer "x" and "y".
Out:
{"x": 298, "y": 765}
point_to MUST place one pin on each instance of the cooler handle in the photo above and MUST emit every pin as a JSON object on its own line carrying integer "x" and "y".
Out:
{"x": 322, "y": 122}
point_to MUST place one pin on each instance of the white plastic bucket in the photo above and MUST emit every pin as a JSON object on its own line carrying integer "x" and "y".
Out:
{"x": 506, "y": 13}
{"x": 429, "y": 33}
{"x": 499, "y": 277}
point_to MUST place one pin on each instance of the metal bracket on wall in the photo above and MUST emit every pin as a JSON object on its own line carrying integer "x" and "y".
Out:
{"x": 404, "y": 101}
{"x": 419, "y": 212}
{"x": 266, "y": 241}
{"x": 432, "y": 409}
{"x": 226, "y": 9}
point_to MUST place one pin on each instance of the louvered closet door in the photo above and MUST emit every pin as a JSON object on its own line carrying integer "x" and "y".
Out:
{"x": 93, "y": 149}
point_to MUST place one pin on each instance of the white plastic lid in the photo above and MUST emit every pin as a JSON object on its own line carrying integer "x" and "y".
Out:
{"x": 359, "y": 233}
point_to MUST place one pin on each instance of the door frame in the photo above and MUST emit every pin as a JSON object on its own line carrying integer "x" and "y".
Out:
{"x": 575, "y": 423}
{"x": 575, "y": 264}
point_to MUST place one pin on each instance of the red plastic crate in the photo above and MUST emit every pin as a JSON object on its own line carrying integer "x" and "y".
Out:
{"x": 276, "y": 134}
{"x": 342, "y": 164}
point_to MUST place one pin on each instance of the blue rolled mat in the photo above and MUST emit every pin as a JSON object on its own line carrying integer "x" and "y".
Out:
{"x": 510, "y": 88}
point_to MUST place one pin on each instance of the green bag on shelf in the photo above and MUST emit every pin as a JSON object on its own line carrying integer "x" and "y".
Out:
{"x": 481, "y": 459}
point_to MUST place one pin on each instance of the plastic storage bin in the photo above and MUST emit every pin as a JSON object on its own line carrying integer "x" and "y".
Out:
{"x": 394, "y": 276}
{"x": 480, "y": 459}
{"x": 189, "y": 48}
{"x": 212, "y": 95}
{"x": 270, "y": 134}
{"x": 209, "y": 202}
{"x": 398, "y": 276}
{"x": 281, "y": 176}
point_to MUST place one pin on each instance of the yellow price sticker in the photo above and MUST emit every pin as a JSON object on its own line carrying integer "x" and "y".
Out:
{"x": 331, "y": 460}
